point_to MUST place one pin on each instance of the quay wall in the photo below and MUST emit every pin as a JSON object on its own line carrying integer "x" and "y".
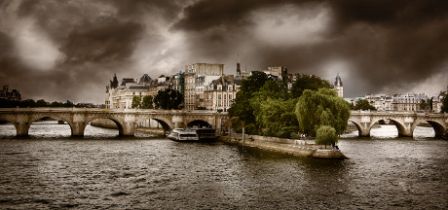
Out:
{"x": 294, "y": 147}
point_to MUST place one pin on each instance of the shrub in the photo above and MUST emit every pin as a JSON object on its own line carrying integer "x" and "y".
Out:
{"x": 326, "y": 135}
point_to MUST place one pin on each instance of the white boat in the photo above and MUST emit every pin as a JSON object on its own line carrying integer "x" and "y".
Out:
{"x": 179, "y": 134}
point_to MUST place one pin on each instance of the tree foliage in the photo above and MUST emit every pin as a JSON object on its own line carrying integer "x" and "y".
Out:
{"x": 326, "y": 135}
{"x": 445, "y": 103}
{"x": 307, "y": 82}
{"x": 425, "y": 105}
{"x": 147, "y": 102}
{"x": 264, "y": 106}
{"x": 168, "y": 99}
{"x": 322, "y": 107}
{"x": 242, "y": 112}
{"x": 6, "y": 103}
{"x": 136, "y": 101}
{"x": 363, "y": 104}
{"x": 276, "y": 118}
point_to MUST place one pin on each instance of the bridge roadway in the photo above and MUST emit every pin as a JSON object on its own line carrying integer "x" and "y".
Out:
{"x": 126, "y": 120}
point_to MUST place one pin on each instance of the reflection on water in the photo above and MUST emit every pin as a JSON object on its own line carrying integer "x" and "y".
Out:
{"x": 46, "y": 129}
{"x": 139, "y": 173}
{"x": 424, "y": 132}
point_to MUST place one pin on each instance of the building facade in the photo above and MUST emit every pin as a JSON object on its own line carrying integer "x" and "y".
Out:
{"x": 381, "y": 102}
{"x": 220, "y": 93}
{"x": 119, "y": 96}
{"x": 408, "y": 101}
{"x": 197, "y": 77}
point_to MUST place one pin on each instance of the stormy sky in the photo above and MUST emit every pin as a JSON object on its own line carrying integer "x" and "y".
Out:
{"x": 69, "y": 49}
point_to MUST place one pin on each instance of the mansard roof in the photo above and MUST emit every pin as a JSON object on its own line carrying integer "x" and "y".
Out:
{"x": 145, "y": 79}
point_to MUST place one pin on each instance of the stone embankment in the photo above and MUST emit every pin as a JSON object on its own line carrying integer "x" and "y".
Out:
{"x": 298, "y": 148}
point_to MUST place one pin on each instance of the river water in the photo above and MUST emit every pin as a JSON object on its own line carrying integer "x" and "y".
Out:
{"x": 102, "y": 172}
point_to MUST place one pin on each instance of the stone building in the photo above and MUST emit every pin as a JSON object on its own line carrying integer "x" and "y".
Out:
{"x": 437, "y": 103}
{"x": 408, "y": 102}
{"x": 13, "y": 95}
{"x": 220, "y": 93}
{"x": 381, "y": 102}
{"x": 120, "y": 96}
{"x": 197, "y": 77}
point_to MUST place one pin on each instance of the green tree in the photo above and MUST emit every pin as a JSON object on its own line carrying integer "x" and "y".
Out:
{"x": 242, "y": 112}
{"x": 270, "y": 90}
{"x": 445, "y": 103}
{"x": 147, "y": 102}
{"x": 254, "y": 82}
{"x": 41, "y": 103}
{"x": 136, "y": 101}
{"x": 276, "y": 118}
{"x": 425, "y": 105}
{"x": 326, "y": 135}
{"x": 310, "y": 82}
{"x": 363, "y": 104}
{"x": 322, "y": 107}
{"x": 168, "y": 99}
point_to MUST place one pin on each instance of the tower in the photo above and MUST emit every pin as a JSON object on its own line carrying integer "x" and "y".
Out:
{"x": 338, "y": 86}
{"x": 238, "y": 69}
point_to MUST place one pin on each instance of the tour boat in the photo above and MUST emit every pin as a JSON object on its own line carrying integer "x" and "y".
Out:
{"x": 179, "y": 134}
{"x": 205, "y": 134}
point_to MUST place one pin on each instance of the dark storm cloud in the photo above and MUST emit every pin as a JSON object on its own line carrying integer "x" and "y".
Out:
{"x": 95, "y": 40}
{"x": 390, "y": 43}
{"x": 382, "y": 44}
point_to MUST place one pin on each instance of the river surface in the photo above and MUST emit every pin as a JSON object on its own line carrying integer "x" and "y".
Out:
{"x": 49, "y": 170}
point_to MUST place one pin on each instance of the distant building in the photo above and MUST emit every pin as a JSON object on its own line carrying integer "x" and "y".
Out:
{"x": 120, "y": 96}
{"x": 381, "y": 102}
{"x": 437, "y": 104}
{"x": 338, "y": 86}
{"x": 408, "y": 102}
{"x": 220, "y": 93}
{"x": 13, "y": 95}
{"x": 197, "y": 77}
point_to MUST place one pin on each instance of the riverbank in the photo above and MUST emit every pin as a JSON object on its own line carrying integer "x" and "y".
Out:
{"x": 298, "y": 148}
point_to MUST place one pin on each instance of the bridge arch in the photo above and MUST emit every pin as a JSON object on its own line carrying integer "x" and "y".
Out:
{"x": 166, "y": 125}
{"x": 199, "y": 123}
{"x": 402, "y": 131}
{"x": 117, "y": 122}
{"x": 10, "y": 120}
{"x": 358, "y": 126}
{"x": 439, "y": 127}
{"x": 55, "y": 117}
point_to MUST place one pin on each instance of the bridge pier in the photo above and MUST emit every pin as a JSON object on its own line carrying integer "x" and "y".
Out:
{"x": 364, "y": 132}
{"x": 78, "y": 129}
{"x": 22, "y": 129}
{"x": 128, "y": 129}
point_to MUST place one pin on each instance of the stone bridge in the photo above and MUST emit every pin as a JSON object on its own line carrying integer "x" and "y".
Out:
{"x": 404, "y": 121}
{"x": 126, "y": 120}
